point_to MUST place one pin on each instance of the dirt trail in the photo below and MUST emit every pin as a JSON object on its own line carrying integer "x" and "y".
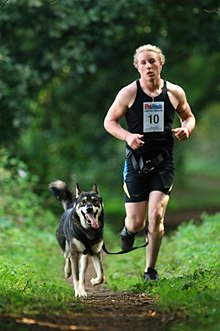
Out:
{"x": 111, "y": 311}
{"x": 101, "y": 310}
{"x": 106, "y": 310}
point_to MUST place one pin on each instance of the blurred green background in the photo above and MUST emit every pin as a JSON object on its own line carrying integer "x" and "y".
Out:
{"x": 61, "y": 65}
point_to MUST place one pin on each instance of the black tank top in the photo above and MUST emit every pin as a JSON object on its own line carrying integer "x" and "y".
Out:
{"x": 155, "y": 142}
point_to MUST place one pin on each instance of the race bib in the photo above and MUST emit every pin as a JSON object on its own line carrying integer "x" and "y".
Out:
{"x": 153, "y": 116}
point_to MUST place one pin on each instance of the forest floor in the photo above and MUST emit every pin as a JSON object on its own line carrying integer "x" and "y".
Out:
{"x": 101, "y": 310}
{"x": 107, "y": 310}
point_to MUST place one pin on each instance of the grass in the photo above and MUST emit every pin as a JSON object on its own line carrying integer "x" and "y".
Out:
{"x": 31, "y": 276}
{"x": 189, "y": 269}
{"x": 31, "y": 273}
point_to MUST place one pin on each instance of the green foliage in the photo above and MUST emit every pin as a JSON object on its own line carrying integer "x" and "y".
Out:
{"x": 198, "y": 185}
{"x": 196, "y": 241}
{"x": 62, "y": 63}
{"x": 205, "y": 143}
{"x": 30, "y": 260}
{"x": 31, "y": 270}
{"x": 30, "y": 273}
{"x": 18, "y": 203}
{"x": 189, "y": 274}
{"x": 195, "y": 297}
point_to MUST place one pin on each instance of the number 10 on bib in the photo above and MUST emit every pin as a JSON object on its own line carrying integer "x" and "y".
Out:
{"x": 153, "y": 116}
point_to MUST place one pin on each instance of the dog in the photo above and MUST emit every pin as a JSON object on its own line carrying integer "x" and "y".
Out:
{"x": 80, "y": 233}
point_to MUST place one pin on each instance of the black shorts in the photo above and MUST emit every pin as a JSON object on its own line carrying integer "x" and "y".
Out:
{"x": 137, "y": 187}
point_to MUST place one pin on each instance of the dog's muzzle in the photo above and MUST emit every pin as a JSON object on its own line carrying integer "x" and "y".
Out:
{"x": 91, "y": 217}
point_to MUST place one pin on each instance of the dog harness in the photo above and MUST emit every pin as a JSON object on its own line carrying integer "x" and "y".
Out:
{"x": 87, "y": 242}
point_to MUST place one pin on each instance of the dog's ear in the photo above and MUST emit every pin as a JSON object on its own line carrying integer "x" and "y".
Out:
{"x": 78, "y": 190}
{"x": 95, "y": 188}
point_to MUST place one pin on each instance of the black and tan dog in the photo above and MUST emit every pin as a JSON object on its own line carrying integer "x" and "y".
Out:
{"x": 80, "y": 233}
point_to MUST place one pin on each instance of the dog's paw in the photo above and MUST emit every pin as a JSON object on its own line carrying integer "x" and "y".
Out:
{"x": 96, "y": 281}
{"x": 80, "y": 292}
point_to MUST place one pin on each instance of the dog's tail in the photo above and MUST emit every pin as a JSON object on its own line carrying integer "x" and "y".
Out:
{"x": 62, "y": 193}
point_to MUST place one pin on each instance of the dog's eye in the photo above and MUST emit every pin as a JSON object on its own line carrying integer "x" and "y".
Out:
{"x": 83, "y": 202}
{"x": 95, "y": 200}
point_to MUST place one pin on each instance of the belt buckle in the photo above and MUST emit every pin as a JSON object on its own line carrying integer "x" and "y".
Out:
{"x": 147, "y": 167}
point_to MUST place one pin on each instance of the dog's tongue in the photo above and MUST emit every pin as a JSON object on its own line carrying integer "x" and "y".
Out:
{"x": 94, "y": 223}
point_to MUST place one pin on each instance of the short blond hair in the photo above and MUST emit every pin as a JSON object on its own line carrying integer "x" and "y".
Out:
{"x": 148, "y": 47}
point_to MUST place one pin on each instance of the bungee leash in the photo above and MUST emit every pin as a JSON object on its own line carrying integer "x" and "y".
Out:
{"x": 123, "y": 252}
